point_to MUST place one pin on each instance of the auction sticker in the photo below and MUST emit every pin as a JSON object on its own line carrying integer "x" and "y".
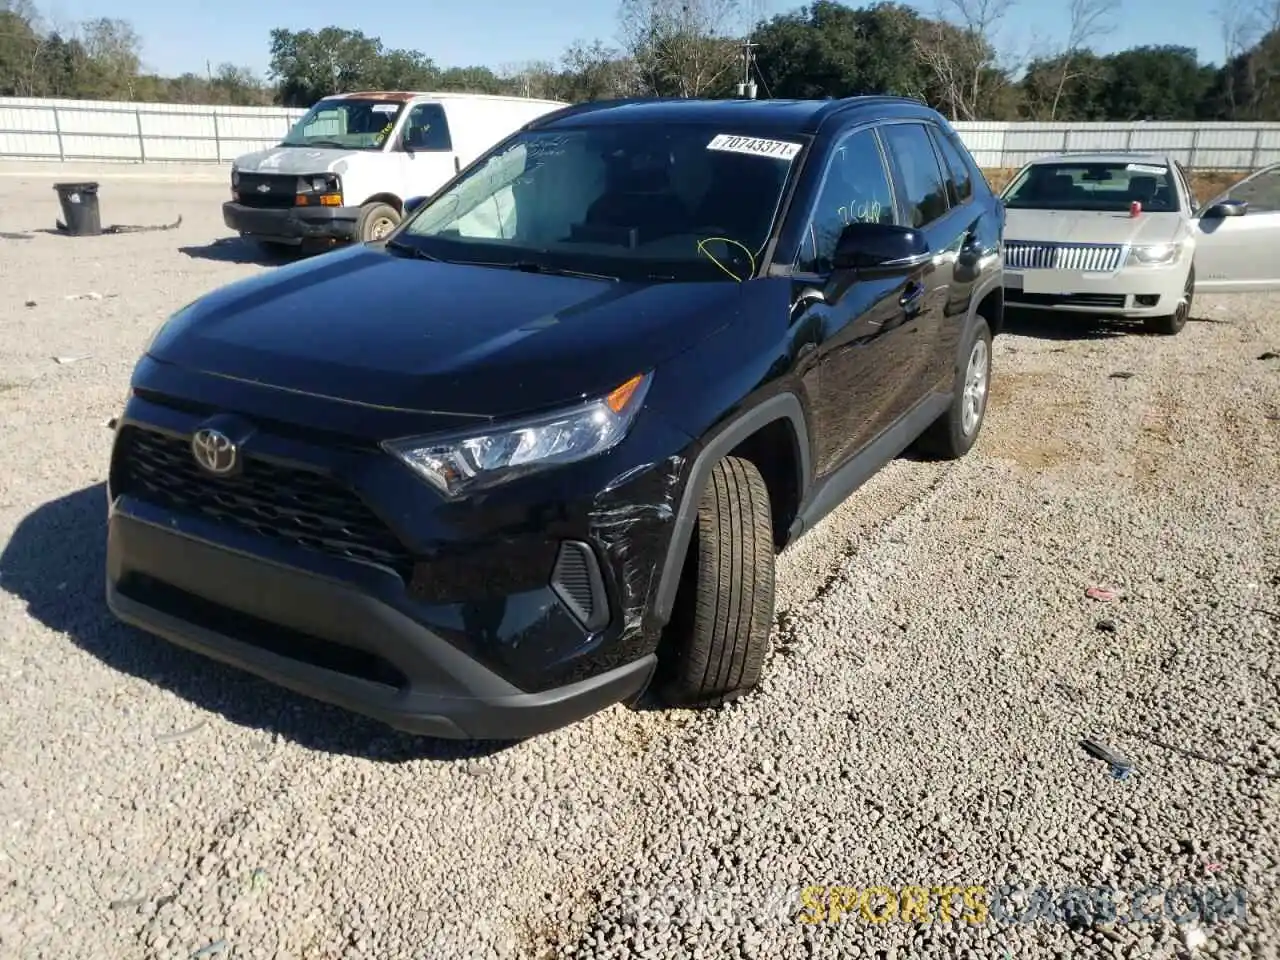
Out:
{"x": 1145, "y": 168}
{"x": 729, "y": 143}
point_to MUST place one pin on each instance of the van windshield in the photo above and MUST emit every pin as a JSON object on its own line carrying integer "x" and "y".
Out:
{"x": 346, "y": 124}
{"x": 1105, "y": 187}
{"x": 628, "y": 200}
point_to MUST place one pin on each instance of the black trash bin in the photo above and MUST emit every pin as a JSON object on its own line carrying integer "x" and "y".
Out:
{"x": 80, "y": 208}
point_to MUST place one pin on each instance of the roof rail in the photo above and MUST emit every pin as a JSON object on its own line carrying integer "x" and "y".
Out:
{"x": 587, "y": 106}
{"x": 834, "y": 107}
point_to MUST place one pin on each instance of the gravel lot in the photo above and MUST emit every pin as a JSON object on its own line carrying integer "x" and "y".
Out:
{"x": 937, "y": 665}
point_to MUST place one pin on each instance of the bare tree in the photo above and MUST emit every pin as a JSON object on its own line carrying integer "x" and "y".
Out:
{"x": 1089, "y": 19}
{"x": 683, "y": 47}
{"x": 959, "y": 49}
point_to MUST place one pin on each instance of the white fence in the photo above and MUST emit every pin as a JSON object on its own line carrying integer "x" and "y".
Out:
{"x": 36, "y": 129}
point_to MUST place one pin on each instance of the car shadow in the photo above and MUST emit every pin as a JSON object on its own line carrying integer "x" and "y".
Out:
{"x": 240, "y": 250}
{"x": 1080, "y": 326}
{"x": 1075, "y": 326}
{"x": 55, "y": 563}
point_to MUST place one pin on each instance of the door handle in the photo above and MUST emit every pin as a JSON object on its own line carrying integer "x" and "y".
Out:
{"x": 911, "y": 297}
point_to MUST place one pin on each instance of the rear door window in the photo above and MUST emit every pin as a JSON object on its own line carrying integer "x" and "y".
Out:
{"x": 923, "y": 189}
{"x": 959, "y": 177}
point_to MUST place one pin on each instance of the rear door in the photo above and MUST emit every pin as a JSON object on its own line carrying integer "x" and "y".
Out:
{"x": 924, "y": 203}
{"x": 961, "y": 235}
{"x": 1241, "y": 254}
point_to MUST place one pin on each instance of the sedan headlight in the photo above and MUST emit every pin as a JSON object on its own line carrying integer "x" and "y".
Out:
{"x": 1155, "y": 254}
{"x": 477, "y": 461}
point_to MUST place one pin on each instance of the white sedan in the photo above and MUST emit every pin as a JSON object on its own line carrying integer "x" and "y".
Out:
{"x": 1121, "y": 234}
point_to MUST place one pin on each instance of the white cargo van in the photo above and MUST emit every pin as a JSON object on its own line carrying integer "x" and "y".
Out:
{"x": 346, "y": 169}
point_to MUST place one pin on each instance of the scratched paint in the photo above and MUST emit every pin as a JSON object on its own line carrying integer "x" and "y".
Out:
{"x": 630, "y": 521}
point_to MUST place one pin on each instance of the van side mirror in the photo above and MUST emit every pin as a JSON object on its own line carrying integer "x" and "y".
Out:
{"x": 880, "y": 250}
{"x": 1225, "y": 208}
{"x": 413, "y": 203}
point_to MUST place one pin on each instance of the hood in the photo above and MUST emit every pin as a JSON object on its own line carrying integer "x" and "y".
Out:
{"x": 295, "y": 160}
{"x": 371, "y": 327}
{"x": 1089, "y": 226}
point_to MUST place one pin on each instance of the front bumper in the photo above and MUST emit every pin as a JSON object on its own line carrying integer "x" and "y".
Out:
{"x": 1129, "y": 292}
{"x": 291, "y": 224}
{"x": 331, "y": 641}
{"x": 331, "y": 569}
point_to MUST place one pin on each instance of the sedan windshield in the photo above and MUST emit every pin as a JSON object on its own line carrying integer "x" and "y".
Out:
{"x": 346, "y": 124}
{"x": 628, "y": 200}
{"x": 1104, "y": 187}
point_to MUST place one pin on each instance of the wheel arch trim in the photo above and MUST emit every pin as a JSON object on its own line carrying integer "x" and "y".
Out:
{"x": 782, "y": 406}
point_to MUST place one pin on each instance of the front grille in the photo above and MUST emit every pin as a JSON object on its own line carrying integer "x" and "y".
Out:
{"x": 1066, "y": 299}
{"x": 1086, "y": 257}
{"x": 280, "y": 190}
{"x": 295, "y": 506}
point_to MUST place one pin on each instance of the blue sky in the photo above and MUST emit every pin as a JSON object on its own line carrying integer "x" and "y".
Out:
{"x": 179, "y": 36}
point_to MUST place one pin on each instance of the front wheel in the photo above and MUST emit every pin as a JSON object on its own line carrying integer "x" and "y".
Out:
{"x": 716, "y": 642}
{"x": 952, "y": 435}
{"x": 376, "y": 221}
{"x": 1172, "y": 323}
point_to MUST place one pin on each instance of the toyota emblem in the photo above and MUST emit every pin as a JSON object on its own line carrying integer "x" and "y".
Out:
{"x": 214, "y": 451}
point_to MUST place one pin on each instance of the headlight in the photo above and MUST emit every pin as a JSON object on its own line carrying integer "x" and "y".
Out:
{"x": 477, "y": 461}
{"x": 235, "y": 177}
{"x": 321, "y": 183}
{"x": 1155, "y": 253}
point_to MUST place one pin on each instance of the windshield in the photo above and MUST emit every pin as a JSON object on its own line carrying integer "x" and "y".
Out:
{"x": 346, "y": 124}
{"x": 1107, "y": 187}
{"x": 638, "y": 200}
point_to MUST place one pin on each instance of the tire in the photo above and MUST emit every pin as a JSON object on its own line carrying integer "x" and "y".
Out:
{"x": 376, "y": 221}
{"x": 716, "y": 642}
{"x": 1172, "y": 324}
{"x": 954, "y": 433}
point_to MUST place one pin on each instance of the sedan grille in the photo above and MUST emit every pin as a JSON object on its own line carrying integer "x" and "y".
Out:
{"x": 296, "y": 506}
{"x": 1084, "y": 257}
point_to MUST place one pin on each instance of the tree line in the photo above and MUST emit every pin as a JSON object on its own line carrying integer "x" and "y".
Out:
{"x": 955, "y": 60}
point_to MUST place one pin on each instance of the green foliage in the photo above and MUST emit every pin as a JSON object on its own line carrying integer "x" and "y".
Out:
{"x": 680, "y": 48}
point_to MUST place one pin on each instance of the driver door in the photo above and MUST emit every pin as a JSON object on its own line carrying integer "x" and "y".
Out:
{"x": 1241, "y": 254}
{"x": 425, "y": 151}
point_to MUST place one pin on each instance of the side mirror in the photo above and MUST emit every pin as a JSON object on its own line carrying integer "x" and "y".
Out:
{"x": 413, "y": 203}
{"x": 880, "y": 250}
{"x": 1225, "y": 208}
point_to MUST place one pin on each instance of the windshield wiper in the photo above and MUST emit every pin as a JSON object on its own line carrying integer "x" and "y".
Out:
{"x": 314, "y": 143}
{"x": 412, "y": 251}
{"x": 533, "y": 266}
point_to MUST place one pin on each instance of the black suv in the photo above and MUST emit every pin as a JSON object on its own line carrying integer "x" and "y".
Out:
{"x": 536, "y": 451}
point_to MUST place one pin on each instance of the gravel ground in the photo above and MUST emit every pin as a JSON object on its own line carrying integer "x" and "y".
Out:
{"x": 937, "y": 665}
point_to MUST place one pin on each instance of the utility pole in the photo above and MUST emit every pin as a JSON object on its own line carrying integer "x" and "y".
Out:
{"x": 747, "y": 87}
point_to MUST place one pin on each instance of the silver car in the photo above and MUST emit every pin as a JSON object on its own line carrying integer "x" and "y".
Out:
{"x": 1120, "y": 234}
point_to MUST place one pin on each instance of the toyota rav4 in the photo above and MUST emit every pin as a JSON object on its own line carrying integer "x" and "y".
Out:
{"x": 535, "y": 452}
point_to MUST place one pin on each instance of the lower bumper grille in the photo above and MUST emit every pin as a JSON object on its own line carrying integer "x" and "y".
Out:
{"x": 1115, "y": 300}
{"x": 292, "y": 505}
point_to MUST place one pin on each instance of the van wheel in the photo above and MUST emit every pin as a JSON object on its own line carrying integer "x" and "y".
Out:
{"x": 719, "y": 631}
{"x": 954, "y": 433}
{"x": 1172, "y": 323}
{"x": 376, "y": 221}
